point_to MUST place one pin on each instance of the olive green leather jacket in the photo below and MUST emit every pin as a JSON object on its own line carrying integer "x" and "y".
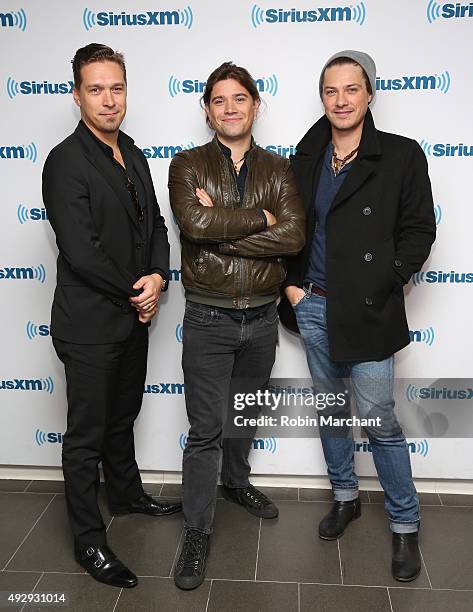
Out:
{"x": 229, "y": 257}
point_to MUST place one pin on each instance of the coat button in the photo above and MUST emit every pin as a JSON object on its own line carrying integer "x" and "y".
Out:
{"x": 201, "y": 260}
{"x": 398, "y": 263}
{"x": 367, "y": 210}
{"x": 368, "y": 257}
{"x": 369, "y": 301}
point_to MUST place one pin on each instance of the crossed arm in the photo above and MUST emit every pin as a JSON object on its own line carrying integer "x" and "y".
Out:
{"x": 236, "y": 231}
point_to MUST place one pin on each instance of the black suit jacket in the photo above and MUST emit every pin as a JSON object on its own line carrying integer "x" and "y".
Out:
{"x": 99, "y": 238}
{"x": 379, "y": 231}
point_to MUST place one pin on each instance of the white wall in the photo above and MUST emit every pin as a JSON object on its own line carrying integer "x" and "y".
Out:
{"x": 407, "y": 39}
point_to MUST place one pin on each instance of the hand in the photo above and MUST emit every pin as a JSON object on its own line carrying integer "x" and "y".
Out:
{"x": 145, "y": 317}
{"x": 294, "y": 294}
{"x": 203, "y": 197}
{"x": 270, "y": 218}
{"x": 149, "y": 297}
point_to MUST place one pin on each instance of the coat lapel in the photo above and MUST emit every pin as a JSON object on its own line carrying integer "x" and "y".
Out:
{"x": 103, "y": 165}
{"x": 312, "y": 147}
{"x": 365, "y": 163}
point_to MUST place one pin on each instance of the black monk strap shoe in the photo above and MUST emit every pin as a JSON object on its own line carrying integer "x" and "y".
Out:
{"x": 148, "y": 505}
{"x": 333, "y": 525}
{"x": 102, "y": 564}
{"x": 406, "y": 562}
{"x": 252, "y": 500}
{"x": 189, "y": 572}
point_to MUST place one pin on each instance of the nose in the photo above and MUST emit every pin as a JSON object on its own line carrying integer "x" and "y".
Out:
{"x": 107, "y": 98}
{"x": 341, "y": 99}
{"x": 229, "y": 106}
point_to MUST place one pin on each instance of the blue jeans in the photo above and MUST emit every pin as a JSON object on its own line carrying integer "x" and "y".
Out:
{"x": 372, "y": 387}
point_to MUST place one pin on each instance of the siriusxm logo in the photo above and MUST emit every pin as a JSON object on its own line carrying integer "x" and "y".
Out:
{"x": 265, "y": 444}
{"x": 37, "y": 273}
{"x": 438, "y": 214}
{"x": 32, "y": 384}
{"x": 51, "y": 438}
{"x": 182, "y": 17}
{"x": 449, "y": 10}
{"x": 441, "y": 82}
{"x": 446, "y": 150}
{"x": 14, "y": 88}
{"x": 13, "y": 19}
{"x": 165, "y": 388}
{"x": 33, "y": 330}
{"x": 283, "y": 151}
{"x": 174, "y": 275}
{"x": 19, "y": 152}
{"x": 355, "y": 13}
{"x": 427, "y": 336}
{"x": 415, "y": 448}
{"x": 189, "y": 86}
{"x": 440, "y": 277}
{"x": 165, "y": 151}
{"x": 179, "y": 332}
{"x": 25, "y": 214}
{"x": 415, "y": 394}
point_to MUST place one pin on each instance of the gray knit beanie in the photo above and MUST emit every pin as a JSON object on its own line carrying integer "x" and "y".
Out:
{"x": 365, "y": 61}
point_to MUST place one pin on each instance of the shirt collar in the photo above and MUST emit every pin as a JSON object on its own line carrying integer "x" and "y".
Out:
{"x": 105, "y": 147}
{"x": 228, "y": 152}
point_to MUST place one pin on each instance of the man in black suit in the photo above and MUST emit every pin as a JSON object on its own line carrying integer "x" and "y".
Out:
{"x": 112, "y": 265}
{"x": 370, "y": 227}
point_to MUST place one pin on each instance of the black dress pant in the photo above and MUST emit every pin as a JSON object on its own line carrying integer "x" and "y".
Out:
{"x": 105, "y": 385}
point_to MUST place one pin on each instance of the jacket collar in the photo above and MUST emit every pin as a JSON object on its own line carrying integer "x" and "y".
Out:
{"x": 315, "y": 141}
{"x": 96, "y": 152}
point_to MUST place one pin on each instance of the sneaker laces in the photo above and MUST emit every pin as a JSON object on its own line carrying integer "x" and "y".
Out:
{"x": 192, "y": 550}
{"x": 257, "y": 497}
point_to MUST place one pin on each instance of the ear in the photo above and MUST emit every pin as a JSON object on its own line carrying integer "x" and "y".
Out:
{"x": 370, "y": 97}
{"x": 76, "y": 96}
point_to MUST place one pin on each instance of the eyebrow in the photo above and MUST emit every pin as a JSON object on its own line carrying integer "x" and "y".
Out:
{"x": 119, "y": 83}
{"x": 232, "y": 96}
{"x": 349, "y": 85}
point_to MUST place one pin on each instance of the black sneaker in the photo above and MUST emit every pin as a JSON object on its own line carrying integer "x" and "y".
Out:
{"x": 252, "y": 500}
{"x": 189, "y": 572}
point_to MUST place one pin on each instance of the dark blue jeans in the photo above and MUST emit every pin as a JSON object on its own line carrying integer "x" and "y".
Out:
{"x": 372, "y": 386}
{"x": 220, "y": 356}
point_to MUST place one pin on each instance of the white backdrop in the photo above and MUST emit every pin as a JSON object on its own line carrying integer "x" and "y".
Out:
{"x": 423, "y": 53}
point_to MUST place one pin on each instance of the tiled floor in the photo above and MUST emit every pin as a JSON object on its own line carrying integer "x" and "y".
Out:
{"x": 254, "y": 565}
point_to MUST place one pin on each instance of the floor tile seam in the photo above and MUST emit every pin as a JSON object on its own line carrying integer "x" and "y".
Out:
{"x": 31, "y": 492}
{"x": 118, "y": 598}
{"x": 176, "y": 553}
{"x": 390, "y": 602}
{"x": 425, "y": 565}
{"x": 7, "y": 571}
{"x": 29, "y": 532}
{"x": 257, "y": 549}
{"x": 33, "y": 589}
{"x": 27, "y": 486}
{"x": 340, "y": 560}
{"x": 208, "y": 596}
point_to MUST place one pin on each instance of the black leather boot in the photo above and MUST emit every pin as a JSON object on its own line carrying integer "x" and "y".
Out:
{"x": 333, "y": 525}
{"x": 406, "y": 563}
